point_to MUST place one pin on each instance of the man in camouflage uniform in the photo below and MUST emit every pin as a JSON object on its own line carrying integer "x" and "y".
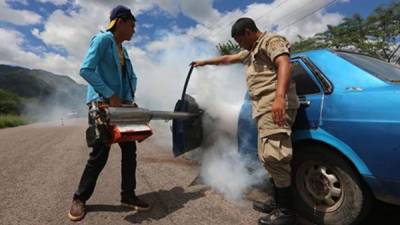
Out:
{"x": 266, "y": 57}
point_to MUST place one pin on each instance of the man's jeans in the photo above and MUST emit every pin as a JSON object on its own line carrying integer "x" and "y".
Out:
{"x": 95, "y": 164}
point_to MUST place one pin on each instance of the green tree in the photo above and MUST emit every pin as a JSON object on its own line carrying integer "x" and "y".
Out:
{"x": 384, "y": 32}
{"x": 377, "y": 35}
{"x": 305, "y": 44}
{"x": 228, "y": 48}
{"x": 9, "y": 103}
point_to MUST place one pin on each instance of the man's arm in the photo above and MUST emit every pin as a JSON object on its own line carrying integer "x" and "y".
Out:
{"x": 88, "y": 67}
{"x": 92, "y": 58}
{"x": 225, "y": 59}
{"x": 283, "y": 65}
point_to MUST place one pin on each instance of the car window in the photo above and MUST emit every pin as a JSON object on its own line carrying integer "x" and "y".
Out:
{"x": 376, "y": 67}
{"x": 304, "y": 84}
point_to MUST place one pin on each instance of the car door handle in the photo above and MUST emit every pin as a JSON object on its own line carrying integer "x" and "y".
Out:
{"x": 304, "y": 102}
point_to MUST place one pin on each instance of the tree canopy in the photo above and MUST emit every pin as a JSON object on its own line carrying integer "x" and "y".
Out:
{"x": 377, "y": 35}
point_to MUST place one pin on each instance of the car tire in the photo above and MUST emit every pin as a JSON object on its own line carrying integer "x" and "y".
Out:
{"x": 327, "y": 189}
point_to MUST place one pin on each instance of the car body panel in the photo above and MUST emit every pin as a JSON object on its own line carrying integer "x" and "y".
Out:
{"x": 359, "y": 117}
{"x": 247, "y": 134}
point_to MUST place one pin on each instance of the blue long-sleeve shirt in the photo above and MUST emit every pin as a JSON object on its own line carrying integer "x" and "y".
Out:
{"x": 101, "y": 69}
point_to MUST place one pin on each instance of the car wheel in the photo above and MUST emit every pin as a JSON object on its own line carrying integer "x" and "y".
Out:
{"x": 327, "y": 188}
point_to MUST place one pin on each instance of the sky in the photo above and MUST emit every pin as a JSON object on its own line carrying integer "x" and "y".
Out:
{"x": 54, "y": 34}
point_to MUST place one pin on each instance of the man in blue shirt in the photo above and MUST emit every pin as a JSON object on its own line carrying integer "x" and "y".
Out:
{"x": 111, "y": 80}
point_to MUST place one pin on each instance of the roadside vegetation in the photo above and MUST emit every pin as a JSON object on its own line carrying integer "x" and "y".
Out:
{"x": 11, "y": 121}
{"x": 10, "y": 110}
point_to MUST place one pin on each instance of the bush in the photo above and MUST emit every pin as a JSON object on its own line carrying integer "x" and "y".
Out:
{"x": 11, "y": 121}
{"x": 9, "y": 103}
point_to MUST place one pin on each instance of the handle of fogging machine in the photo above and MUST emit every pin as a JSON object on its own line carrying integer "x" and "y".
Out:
{"x": 187, "y": 82}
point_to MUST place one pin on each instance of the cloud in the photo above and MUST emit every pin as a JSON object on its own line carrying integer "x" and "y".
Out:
{"x": 14, "y": 54}
{"x": 279, "y": 14}
{"x": 137, "y": 6}
{"x": 72, "y": 30}
{"x": 18, "y": 17}
{"x": 9, "y": 44}
{"x": 201, "y": 11}
{"x": 55, "y": 2}
{"x": 308, "y": 28}
{"x": 147, "y": 25}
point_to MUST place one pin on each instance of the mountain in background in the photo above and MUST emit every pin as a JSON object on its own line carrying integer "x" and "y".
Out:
{"x": 43, "y": 93}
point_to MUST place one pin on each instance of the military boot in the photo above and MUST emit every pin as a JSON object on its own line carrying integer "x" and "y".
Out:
{"x": 284, "y": 213}
{"x": 267, "y": 206}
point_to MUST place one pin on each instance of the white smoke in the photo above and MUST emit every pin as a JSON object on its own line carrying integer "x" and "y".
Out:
{"x": 53, "y": 112}
{"x": 229, "y": 172}
{"x": 219, "y": 90}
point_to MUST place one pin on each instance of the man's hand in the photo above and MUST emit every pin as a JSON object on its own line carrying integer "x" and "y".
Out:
{"x": 115, "y": 101}
{"x": 198, "y": 63}
{"x": 278, "y": 111}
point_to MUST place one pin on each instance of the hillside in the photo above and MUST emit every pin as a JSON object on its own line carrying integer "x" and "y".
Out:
{"x": 42, "y": 92}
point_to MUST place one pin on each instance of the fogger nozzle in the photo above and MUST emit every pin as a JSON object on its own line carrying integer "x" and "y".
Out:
{"x": 141, "y": 115}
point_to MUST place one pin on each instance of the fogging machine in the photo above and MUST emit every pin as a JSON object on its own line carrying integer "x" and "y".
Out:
{"x": 110, "y": 125}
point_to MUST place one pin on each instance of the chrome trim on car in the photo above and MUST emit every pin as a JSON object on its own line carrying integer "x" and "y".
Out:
{"x": 326, "y": 84}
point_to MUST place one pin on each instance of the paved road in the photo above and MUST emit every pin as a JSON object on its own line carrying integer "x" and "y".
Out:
{"x": 41, "y": 165}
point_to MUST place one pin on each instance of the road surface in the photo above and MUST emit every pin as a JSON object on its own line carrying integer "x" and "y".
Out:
{"x": 41, "y": 165}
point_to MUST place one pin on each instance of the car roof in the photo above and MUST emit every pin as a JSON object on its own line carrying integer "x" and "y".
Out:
{"x": 338, "y": 70}
{"x": 310, "y": 52}
{"x": 327, "y": 51}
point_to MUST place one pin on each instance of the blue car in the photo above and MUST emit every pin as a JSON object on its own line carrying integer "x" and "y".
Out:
{"x": 346, "y": 135}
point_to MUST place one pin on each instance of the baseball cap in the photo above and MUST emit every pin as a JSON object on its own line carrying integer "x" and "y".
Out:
{"x": 119, "y": 11}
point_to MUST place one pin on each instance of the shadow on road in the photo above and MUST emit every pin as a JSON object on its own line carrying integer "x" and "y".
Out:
{"x": 380, "y": 214}
{"x": 383, "y": 214}
{"x": 106, "y": 208}
{"x": 164, "y": 202}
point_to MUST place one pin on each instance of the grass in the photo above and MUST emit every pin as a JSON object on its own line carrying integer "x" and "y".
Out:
{"x": 11, "y": 121}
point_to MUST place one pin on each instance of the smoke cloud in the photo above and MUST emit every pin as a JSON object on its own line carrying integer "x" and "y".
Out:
{"x": 162, "y": 71}
{"x": 54, "y": 113}
{"x": 229, "y": 172}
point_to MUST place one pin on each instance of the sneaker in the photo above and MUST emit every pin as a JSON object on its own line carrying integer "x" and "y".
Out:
{"x": 77, "y": 210}
{"x": 135, "y": 203}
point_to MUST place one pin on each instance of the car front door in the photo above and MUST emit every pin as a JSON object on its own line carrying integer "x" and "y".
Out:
{"x": 187, "y": 134}
{"x": 310, "y": 95}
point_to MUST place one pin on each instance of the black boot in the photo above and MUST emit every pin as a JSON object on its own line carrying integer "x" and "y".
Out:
{"x": 284, "y": 214}
{"x": 280, "y": 216}
{"x": 267, "y": 206}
